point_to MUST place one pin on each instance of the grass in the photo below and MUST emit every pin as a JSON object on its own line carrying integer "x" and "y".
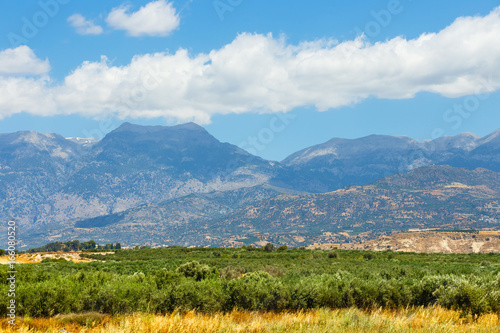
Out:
{"x": 430, "y": 319}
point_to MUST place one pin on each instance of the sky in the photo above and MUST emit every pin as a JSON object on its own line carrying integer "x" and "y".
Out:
{"x": 272, "y": 77}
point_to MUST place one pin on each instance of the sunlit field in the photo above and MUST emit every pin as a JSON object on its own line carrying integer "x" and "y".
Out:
{"x": 431, "y": 319}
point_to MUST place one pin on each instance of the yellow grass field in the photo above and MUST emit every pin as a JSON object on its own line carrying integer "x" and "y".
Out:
{"x": 33, "y": 258}
{"x": 489, "y": 232}
{"x": 433, "y": 319}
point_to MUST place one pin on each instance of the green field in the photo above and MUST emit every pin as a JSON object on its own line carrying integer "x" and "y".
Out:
{"x": 221, "y": 279}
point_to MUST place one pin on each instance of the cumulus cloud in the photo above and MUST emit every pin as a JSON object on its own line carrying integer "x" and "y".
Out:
{"x": 262, "y": 73}
{"x": 157, "y": 18}
{"x": 84, "y": 26}
{"x": 22, "y": 61}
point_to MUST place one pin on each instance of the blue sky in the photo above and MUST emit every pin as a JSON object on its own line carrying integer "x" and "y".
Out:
{"x": 271, "y": 76}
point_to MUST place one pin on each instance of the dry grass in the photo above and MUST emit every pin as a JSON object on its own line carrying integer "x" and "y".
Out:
{"x": 489, "y": 232}
{"x": 33, "y": 258}
{"x": 433, "y": 319}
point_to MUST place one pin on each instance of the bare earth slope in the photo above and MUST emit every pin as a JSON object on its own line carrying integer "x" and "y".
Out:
{"x": 432, "y": 242}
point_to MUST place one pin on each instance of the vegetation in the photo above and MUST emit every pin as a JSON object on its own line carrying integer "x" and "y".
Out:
{"x": 74, "y": 245}
{"x": 160, "y": 281}
{"x": 434, "y": 319}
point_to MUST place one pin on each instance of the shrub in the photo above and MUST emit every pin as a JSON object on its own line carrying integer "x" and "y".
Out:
{"x": 164, "y": 277}
{"x": 318, "y": 254}
{"x": 269, "y": 247}
{"x": 138, "y": 277}
{"x": 424, "y": 292}
{"x": 194, "y": 270}
{"x": 465, "y": 297}
{"x": 368, "y": 256}
{"x": 305, "y": 295}
{"x": 258, "y": 291}
{"x": 333, "y": 255}
{"x": 206, "y": 295}
{"x": 494, "y": 301}
{"x": 282, "y": 248}
{"x": 53, "y": 260}
{"x": 232, "y": 272}
{"x": 258, "y": 276}
{"x": 273, "y": 271}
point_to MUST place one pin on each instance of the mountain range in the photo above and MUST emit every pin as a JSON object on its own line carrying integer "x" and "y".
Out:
{"x": 341, "y": 162}
{"x": 46, "y": 178}
{"x": 179, "y": 184}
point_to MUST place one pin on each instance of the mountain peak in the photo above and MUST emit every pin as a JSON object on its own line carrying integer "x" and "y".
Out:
{"x": 182, "y": 135}
{"x": 466, "y": 141}
{"x": 186, "y": 147}
{"x": 469, "y": 134}
{"x": 490, "y": 137}
{"x": 338, "y": 148}
{"x": 128, "y": 127}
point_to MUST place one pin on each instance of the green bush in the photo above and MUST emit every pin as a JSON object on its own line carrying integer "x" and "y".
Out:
{"x": 232, "y": 272}
{"x": 425, "y": 291}
{"x": 282, "y": 248}
{"x": 333, "y": 255}
{"x": 207, "y": 295}
{"x": 194, "y": 270}
{"x": 258, "y": 291}
{"x": 268, "y": 247}
{"x": 465, "y": 297}
{"x": 257, "y": 276}
{"x": 163, "y": 277}
{"x": 368, "y": 256}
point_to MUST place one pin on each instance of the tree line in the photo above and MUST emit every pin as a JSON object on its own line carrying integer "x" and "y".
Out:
{"x": 74, "y": 245}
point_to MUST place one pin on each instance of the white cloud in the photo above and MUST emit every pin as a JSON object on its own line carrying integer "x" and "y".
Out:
{"x": 22, "y": 61}
{"x": 84, "y": 26}
{"x": 260, "y": 73}
{"x": 157, "y": 18}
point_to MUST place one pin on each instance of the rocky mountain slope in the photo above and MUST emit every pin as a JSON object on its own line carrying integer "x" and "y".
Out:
{"x": 32, "y": 167}
{"x": 342, "y": 162}
{"x": 166, "y": 223}
{"x": 427, "y": 197}
{"x": 46, "y": 178}
{"x": 433, "y": 196}
{"x": 49, "y": 181}
{"x": 136, "y": 165}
